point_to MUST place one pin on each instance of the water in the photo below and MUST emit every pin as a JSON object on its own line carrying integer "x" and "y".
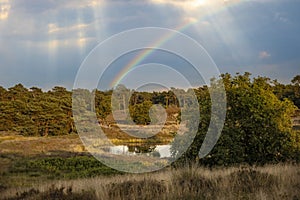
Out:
{"x": 162, "y": 151}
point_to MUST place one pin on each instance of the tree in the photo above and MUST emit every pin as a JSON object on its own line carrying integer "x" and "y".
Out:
{"x": 140, "y": 113}
{"x": 289, "y": 91}
{"x": 257, "y": 127}
{"x": 296, "y": 80}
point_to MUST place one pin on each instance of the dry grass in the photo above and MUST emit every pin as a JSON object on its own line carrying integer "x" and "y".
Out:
{"x": 269, "y": 182}
{"x": 28, "y": 146}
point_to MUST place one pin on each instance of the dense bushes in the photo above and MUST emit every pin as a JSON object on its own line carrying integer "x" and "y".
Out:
{"x": 34, "y": 112}
{"x": 257, "y": 128}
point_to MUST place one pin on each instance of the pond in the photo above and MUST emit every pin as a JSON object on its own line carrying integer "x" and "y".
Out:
{"x": 161, "y": 151}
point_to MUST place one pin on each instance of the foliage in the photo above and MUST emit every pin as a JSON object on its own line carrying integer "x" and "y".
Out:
{"x": 289, "y": 91}
{"x": 140, "y": 113}
{"x": 257, "y": 128}
{"x": 32, "y": 112}
{"x": 58, "y": 167}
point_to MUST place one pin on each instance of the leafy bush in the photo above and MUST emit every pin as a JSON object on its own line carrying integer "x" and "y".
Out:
{"x": 257, "y": 127}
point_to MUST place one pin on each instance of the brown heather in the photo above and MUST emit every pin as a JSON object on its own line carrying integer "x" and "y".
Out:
{"x": 268, "y": 182}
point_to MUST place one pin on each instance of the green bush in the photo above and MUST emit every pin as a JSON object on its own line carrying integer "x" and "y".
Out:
{"x": 257, "y": 128}
{"x": 56, "y": 167}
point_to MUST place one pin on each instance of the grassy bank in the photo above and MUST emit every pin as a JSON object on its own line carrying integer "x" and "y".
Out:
{"x": 269, "y": 182}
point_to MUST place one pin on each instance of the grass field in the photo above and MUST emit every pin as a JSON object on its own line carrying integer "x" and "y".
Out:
{"x": 269, "y": 182}
{"x": 59, "y": 168}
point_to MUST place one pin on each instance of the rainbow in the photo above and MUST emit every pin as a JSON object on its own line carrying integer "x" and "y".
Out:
{"x": 159, "y": 42}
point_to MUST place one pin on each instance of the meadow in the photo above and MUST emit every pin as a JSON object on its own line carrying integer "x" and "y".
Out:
{"x": 269, "y": 182}
{"x": 59, "y": 168}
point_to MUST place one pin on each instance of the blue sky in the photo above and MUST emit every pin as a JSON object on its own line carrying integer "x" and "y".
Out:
{"x": 44, "y": 42}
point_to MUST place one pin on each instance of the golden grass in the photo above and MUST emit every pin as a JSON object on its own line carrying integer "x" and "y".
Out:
{"x": 269, "y": 182}
{"x": 36, "y": 145}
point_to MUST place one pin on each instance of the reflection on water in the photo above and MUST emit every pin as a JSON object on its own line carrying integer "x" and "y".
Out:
{"x": 162, "y": 151}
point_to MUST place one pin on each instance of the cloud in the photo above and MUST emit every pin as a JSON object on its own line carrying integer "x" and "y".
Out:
{"x": 37, "y": 22}
{"x": 195, "y": 5}
{"x": 282, "y": 17}
{"x": 47, "y": 36}
{"x": 264, "y": 55}
{"x": 4, "y": 9}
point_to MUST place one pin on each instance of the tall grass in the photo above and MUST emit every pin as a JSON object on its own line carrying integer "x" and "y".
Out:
{"x": 269, "y": 182}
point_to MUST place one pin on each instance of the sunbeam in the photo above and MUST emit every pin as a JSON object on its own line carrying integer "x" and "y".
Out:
{"x": 195, "y": 11}
{"x": 76, "y": 34}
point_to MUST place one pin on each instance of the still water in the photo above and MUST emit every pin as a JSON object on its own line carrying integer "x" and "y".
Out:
{"x": 162, "y": 151}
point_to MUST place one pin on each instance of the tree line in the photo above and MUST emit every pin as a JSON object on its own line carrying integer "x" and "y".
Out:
{"x": 257, "y": 128}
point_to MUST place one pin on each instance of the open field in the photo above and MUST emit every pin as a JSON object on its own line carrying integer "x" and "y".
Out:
{"x": 269, "y": 182}
{"x": 24, "y": 161}
{"x": 60, "y": 168}
{"x": 29, "y": 146}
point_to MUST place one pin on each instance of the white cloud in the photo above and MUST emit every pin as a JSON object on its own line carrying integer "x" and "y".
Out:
{"x": 193, "y": 5}
{"x": 46, "y": 23}
{"x": 264, "y": 55}
{"x": 4, "y": 9}
{"x": 282, "y": 17}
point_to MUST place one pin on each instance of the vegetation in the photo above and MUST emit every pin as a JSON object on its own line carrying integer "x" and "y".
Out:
{"x": 257, "y": 128}
{"x": 62, "y": 168}
{"x": 278, "y": 182}
{"x": 25, "y": 171}
{"x": 33, "y": 112}
{"x": 54, "y": 193}
{"x": 257, "y": 131}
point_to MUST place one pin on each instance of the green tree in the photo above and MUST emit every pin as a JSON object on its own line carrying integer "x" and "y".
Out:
{"x": 140, "y": 113}
{"x": 257, "y": 128}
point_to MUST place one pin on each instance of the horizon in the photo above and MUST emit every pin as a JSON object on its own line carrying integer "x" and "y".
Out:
{"x": 138, "y": 89}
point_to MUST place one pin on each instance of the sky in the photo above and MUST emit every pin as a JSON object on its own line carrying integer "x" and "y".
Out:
{"x": 43, "y": 43}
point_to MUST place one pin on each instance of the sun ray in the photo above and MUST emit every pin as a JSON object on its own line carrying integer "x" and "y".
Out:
{"x": 98, "y": 12}
{"x": 193, "y": 17}
{"x": 76, "y": 35}
{"x": 52, "y": 43}
{"x": 4, "y": 9}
